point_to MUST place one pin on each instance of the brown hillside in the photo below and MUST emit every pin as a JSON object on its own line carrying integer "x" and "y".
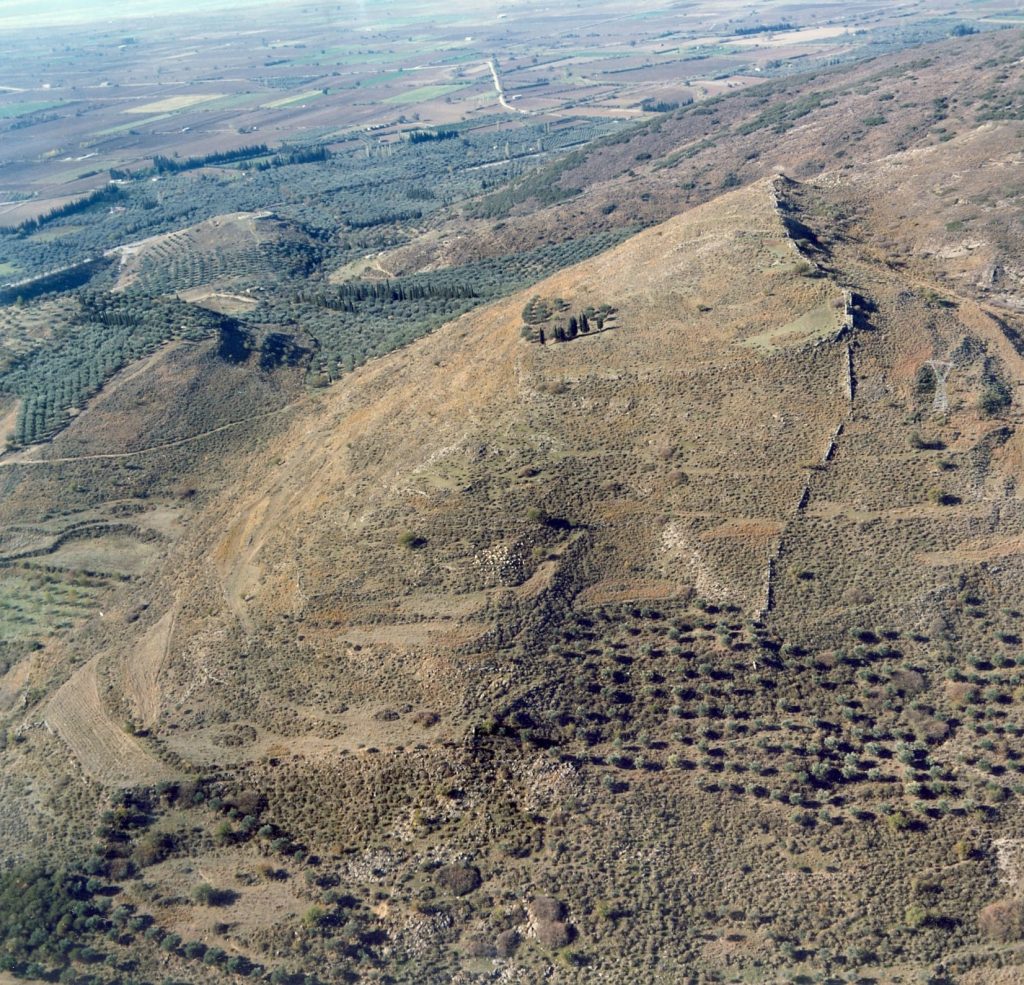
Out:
{"x": 617, "y": 439}
{"x": 675, "y": 631}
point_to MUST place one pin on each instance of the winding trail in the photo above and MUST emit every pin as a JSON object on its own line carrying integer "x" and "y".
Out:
{"x": 103, "y": 456}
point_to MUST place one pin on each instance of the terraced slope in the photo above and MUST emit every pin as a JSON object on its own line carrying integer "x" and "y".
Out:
{"x": 683, "y": 643}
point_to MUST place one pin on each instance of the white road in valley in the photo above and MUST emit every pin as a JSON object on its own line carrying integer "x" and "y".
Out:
{"x": 501, "y": 92}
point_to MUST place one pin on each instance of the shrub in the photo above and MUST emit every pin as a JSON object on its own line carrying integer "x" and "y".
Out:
{"x": 926, "y": 444}
{"x": 548, "y": 916}
{"x": 151, "y": 848}
{"x": 916, "y": 916}
{"x": 478, "y": 946}
{"x": 210, "y": 896}
{"x": 898, "y": 821}
{"x": 1002, "y": 920}
{"x": 547, "y": 908}
{"x": 554, "y": 934}
{"x": 458, "y": 879}
{"x": 994, "y": 398}
{"x": 315, "y": 916}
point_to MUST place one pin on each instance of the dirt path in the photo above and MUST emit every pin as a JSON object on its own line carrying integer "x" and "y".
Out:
{"x": 500, "y": 90}
{"x": 103, "y": 748}
{"x": 234, "y": 558}
{"x": 376, "y": 265}
{"x": 11, "y": 462}
{"x": 9, "y": 421}
{"x": 142, "y": 673}
{"x": 236, "y": 555}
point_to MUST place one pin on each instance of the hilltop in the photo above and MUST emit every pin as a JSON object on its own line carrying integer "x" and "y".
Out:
{"x": 682, "y": 645}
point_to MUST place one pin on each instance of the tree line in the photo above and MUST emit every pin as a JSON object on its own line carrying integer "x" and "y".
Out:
{"x": 170, "y": 165}
{"x": 346, "y": 297}
{"x": 108, "y": 193}
{"x": 425, "y": 136}
{"x": 298, "y": 155}
{"x": 764, "y": 29}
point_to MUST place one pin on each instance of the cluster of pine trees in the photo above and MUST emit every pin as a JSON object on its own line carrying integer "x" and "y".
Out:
{"x": 298, "y": 155}
{"x": 348, "y": 297}
{"x": 573, "y": 327}
{"x": 538, "y": 311}
{"x": 108, "y": 193}
{"x": 426, "y": 136}
{"x": 764, "y": 29}
{"x": 170, "y": 165}
{"x": 371, "y": 219}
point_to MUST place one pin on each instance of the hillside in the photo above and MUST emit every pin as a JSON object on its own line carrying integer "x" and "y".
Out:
{"x": 836, "y": 118}
{"x": 336, "y": 253}
{"x": 682, "y": 647}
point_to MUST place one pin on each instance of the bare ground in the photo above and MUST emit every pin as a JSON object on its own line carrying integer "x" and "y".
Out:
{"x": 103, "y": 748}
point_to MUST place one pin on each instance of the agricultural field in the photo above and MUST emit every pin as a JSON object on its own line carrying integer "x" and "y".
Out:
{"x": 74, "y": 110}
{"x": 33, "y": 604}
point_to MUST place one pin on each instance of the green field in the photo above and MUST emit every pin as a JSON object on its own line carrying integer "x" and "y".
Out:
{"x": 300, "y": 97}
{"x": 134, "y": 125}
{"x": 237, "y": 101}
{"x": 23, "y": 109}
{"x": 341, "y": 55}
{"x": 49, "y": 235}
{"x": 376, "y": 80}
{"x": 33, "y": 605}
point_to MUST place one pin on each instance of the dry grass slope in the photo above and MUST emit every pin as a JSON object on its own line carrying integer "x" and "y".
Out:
{"x": 104, "y": 748}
